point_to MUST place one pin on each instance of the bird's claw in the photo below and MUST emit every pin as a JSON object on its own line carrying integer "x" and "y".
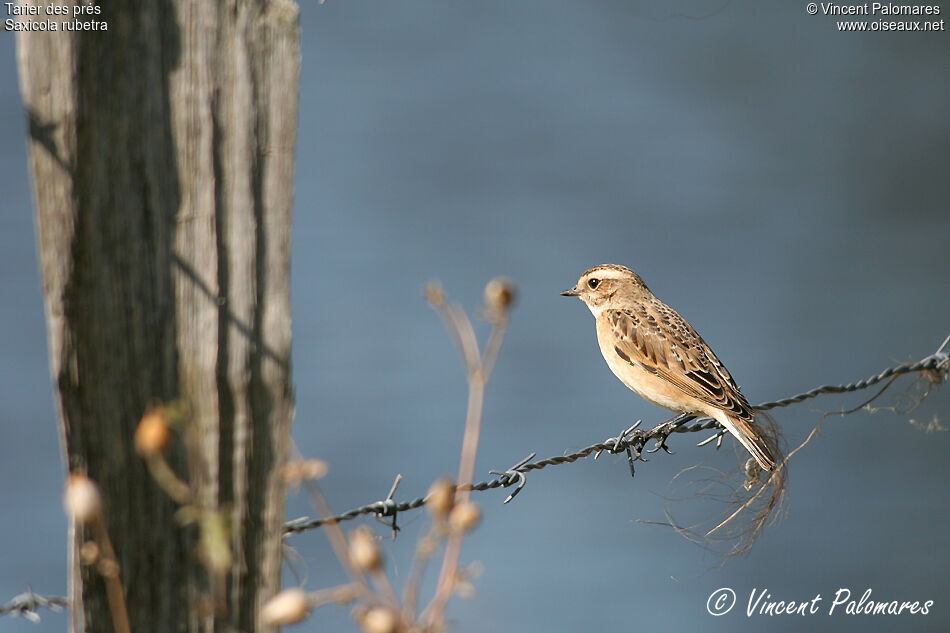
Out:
{"x": 660, "y": 443}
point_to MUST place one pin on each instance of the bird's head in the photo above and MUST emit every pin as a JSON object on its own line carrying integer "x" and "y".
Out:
{"x": 607, "y": 285}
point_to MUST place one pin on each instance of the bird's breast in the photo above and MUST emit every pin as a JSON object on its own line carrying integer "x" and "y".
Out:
{"x": 647, "y": 385}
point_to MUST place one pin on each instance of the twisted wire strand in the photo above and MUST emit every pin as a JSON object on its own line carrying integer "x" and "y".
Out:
{"x": 935, "y": 367}
{"x": 934, "y": 362}
{"x": 26, "y": 604}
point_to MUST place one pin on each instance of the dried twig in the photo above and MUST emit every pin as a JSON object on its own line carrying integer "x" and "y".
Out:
{"x": 479, "y": 367}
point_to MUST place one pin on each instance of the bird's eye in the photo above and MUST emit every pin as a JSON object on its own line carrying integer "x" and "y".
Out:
{"x": 593, "y": 283}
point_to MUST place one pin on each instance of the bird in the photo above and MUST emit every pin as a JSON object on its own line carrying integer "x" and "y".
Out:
{"x": 657, "y": 354}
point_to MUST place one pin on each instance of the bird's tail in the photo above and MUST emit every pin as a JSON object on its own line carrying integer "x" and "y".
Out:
{"x": 751, "y": 438}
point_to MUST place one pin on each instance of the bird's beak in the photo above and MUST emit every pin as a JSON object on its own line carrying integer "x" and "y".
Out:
{"x": 573, "y": 292}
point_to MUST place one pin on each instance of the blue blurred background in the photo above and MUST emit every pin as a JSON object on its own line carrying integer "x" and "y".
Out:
{"x": 781, "y": 184}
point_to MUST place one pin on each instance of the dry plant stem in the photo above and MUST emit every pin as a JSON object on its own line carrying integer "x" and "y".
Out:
{"x": 773, "y": 477}
{"x": 333, "y": 595}
{"x": 473, "y": 417}
{"x": 168, "y": 481}
{"x": 774, "y": 474}
{"x": 424, "y": 551}
{"x": 453, "y": 546}
{"x": 493, "y": 346}
{"x": 458, "y": 323}
{"x": 869, "y": 400}
{"x": 335, "y": 536}
{"x": 478, "y": 375}
{"x": 108, "y": 567}
{"x": 384, "y": 587}
{"x": 338, "y": 541}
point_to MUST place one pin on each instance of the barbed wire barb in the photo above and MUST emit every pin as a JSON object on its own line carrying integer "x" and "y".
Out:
{"x": 390, "y": 508}
{"x": 633, "y": 440}
{"x": 514, "y": 475}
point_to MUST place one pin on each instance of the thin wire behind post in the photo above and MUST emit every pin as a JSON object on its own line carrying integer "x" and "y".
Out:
{"x": 27, "y": 603}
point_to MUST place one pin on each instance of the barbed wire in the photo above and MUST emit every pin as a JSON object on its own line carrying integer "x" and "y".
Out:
{"x": 26, "y": 604}
{"x": 632, "y": 441}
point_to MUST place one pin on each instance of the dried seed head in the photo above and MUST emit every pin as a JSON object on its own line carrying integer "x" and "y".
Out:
{"x": 287, "y": 607}
{"x": 82, "y": 500}
{"x": 296, "y": 472}
{"x": 364, "y": 550}
{"x": 426, "y": 547}
{"x": 441, "y": 497}
{"x": 89, "y": 553}
{"x": 465, "y": 516}
{"x": 463, "y": 586}
{"x": 500, "y": 294}
{"x": 434, "y": 294}
{"x": 378, "y": 620}
{"x": 153, "y": 436}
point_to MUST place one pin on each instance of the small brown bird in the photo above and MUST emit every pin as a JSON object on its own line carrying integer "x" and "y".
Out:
{"x": 657, "y": 354}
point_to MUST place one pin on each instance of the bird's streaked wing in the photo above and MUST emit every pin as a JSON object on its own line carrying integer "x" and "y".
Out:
{"x": 657, "y": 339}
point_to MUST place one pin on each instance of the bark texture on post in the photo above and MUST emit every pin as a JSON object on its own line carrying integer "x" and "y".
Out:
{"x": 162, "y": 156}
